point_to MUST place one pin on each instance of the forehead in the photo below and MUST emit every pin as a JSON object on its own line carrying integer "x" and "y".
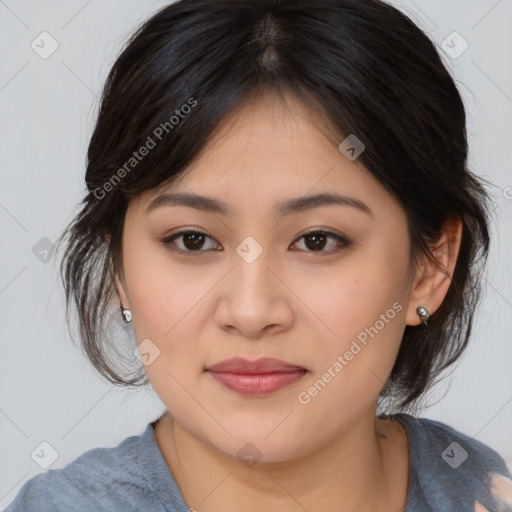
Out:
{"x": 267, "y": 152}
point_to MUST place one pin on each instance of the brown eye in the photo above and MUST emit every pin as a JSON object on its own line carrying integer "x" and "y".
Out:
{"x": 316, "y": 241}
{"x": 192, "y": 241}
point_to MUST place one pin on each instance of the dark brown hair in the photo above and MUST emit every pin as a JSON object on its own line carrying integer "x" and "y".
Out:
{"x": 372, "y": 72}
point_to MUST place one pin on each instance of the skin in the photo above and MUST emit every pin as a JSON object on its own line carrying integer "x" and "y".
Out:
{"x": 294, "y": 303}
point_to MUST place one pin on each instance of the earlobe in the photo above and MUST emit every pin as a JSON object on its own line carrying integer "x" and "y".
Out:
{"x": 433, "y": 278}
{"x": 124, "y": 303}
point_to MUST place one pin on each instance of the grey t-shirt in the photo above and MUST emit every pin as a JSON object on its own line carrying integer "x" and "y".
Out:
{"x": 448, "y": 471}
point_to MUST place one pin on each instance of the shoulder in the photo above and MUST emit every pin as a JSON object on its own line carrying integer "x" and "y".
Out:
{"x": 99, "y": 479}
{"x": 454, "y": 471}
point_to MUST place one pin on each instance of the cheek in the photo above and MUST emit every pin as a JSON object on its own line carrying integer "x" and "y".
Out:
{"x": 161, "y": 293}
{"x": 357, "y": 293}
{"x": 363, "y": 304}
{"x": 168, "y": 310}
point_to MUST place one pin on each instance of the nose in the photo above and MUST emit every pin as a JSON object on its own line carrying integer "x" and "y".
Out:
{"x": 254, "y": 300}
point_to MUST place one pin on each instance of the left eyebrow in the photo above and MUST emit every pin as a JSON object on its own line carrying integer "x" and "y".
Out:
{"x": 300, "y": 204}
{"x": 287, "y": 207}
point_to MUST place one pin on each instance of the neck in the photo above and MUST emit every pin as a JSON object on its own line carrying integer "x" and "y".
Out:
{"x": 360, "y": 469}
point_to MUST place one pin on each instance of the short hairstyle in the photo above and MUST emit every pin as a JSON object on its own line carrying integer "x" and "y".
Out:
{"x": 362, "y": 65}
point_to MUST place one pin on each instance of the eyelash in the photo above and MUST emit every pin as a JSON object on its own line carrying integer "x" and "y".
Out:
{"x": 342, "y": 241}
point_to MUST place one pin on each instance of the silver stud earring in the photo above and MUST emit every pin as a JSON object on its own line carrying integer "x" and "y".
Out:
{"x": 423, "y": 313}
{"x": 127, "y": 314}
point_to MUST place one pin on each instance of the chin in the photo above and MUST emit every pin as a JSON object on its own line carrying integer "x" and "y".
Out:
{"x": 257, "y": 445}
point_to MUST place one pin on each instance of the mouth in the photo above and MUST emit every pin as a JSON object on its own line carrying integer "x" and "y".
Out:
{"x": 260, "y": 377}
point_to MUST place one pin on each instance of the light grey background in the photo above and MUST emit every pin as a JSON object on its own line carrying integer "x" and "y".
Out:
{"x": 48, "y": 106}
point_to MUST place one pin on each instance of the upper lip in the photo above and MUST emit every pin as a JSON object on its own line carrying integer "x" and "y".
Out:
{"x": 263, "y": 365}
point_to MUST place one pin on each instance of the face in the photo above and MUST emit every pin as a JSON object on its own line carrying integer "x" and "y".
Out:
{"x": 320, "y": 285}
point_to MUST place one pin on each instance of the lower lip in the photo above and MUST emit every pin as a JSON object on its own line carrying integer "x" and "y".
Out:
{"x": 257, "y": 384}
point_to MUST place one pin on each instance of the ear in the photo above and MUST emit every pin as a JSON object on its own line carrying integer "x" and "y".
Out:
{"x": 118, "y": 283}
{"x": 432, "y": 280}
{"x": 121, "y": 291}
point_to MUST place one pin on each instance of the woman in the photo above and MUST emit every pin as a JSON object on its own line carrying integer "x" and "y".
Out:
{"x": 279, "y": 203}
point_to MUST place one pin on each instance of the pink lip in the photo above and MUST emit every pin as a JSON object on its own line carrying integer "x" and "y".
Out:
{"x": 258, "y": 377}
